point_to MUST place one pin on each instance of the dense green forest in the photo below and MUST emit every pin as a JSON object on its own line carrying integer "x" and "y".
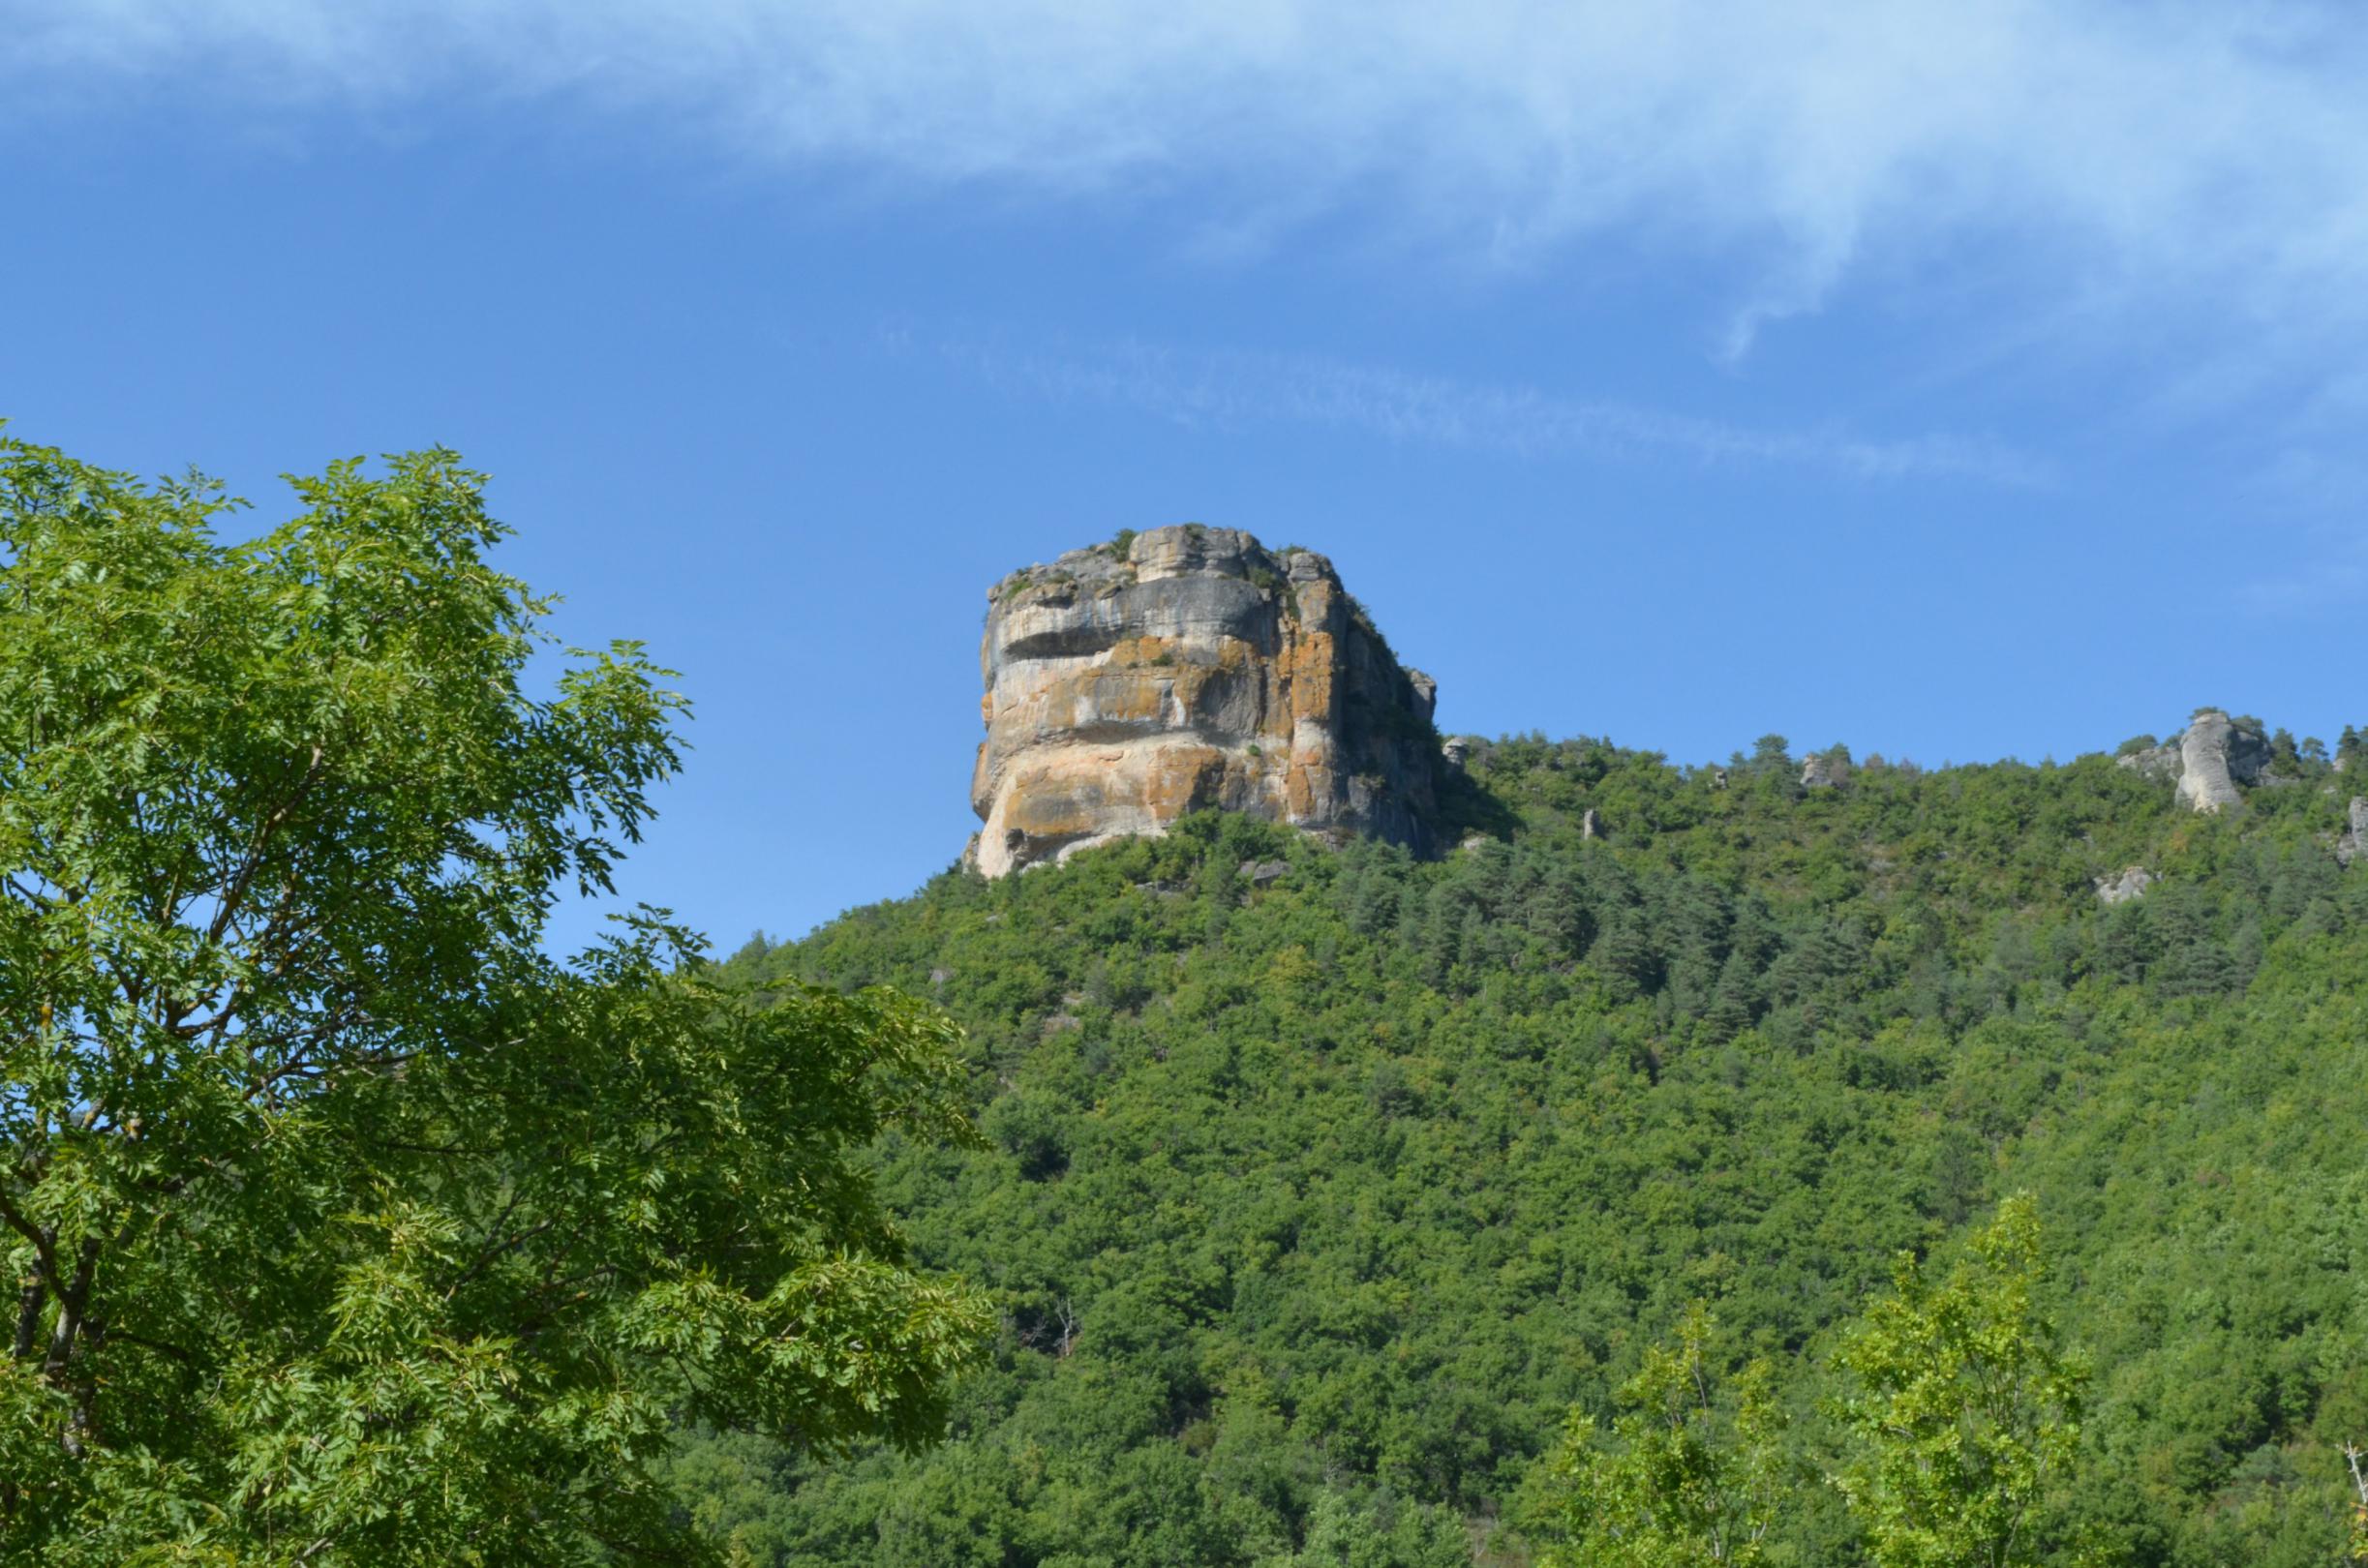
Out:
{"x": 1315, "y": 1204}
{"x": 1692, "y": 1167}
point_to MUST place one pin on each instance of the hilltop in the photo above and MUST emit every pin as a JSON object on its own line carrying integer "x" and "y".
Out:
{"x": 1322, "y": 1183}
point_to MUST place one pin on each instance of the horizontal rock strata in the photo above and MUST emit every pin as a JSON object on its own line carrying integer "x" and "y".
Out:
{"x": 1184, "y": 668}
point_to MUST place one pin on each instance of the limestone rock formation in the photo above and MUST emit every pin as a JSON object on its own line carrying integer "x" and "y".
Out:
{"x": 1824, "y": 769}
{"x": 2120, "y": 887}
{"x": 1188, "y": 667}
{"x": 2209, "y": 761}
{"x": 2353, "y": 842}
{"x": 2160, "y": 762}
{"x": 2215, "y": 756}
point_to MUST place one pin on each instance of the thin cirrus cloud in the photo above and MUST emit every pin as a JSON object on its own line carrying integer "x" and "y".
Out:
{"x": 1230, "y": 390}
{"x": 2175, "y": 137}
{"x": 2179, "y": 176}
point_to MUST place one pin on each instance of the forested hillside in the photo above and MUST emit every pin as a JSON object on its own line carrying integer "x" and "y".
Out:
{"x": 1317, "y": 1193}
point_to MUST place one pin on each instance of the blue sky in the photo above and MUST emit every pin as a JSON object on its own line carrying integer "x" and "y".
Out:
{"x": 1954, "y": 382}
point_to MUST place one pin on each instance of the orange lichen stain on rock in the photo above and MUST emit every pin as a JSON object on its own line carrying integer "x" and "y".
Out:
{"x": 982, "y": 784}
{"x": 1130, "y": 652}
{"x": 1127, "y": 696}
{"x": 1055, "y": 807}
{"x": 1298, "y": 798}
{"x": 1234, "y": 655}
{"x": 1182, "y": 778}
{"x": 1274, "y": 700}
{"x": 1311, "y": 676}
{"x": 1307, "y": 781}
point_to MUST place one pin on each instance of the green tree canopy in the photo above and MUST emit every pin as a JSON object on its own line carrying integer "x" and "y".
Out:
{"x": 347, "y": 1226}
{"x": 1694, "y": 1475}
{"x": 1966, "y": 1411}
{"x": 1358, "y": 1181}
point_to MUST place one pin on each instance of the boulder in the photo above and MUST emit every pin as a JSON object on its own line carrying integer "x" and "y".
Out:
{"x": 2119, "y": 888}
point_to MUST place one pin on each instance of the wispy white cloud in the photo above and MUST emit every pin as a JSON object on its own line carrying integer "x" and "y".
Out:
{"x": 1242, "y": 390}
{"x": 2118, "y": 158}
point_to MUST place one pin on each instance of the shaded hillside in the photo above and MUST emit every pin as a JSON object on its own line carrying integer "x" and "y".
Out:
{"x": 1322, "y": 1184}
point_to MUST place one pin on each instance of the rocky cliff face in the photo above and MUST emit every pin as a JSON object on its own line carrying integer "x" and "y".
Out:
{"x": 2209, "y": 761}
{"x": 2215, "y": 757}
{"x": 1191, "y": 667}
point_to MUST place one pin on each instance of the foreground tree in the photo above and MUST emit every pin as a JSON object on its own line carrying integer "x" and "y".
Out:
{"x": 1966, "y": 1412}
{"x": 1695, "y": 1474}
{"x": 346, "y": 1226}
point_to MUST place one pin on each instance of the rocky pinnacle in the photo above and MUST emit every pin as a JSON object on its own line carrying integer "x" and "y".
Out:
{"x": 1184, "y": 668}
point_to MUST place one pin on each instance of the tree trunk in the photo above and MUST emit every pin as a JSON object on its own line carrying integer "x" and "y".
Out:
{"x": 71, "y": 1300}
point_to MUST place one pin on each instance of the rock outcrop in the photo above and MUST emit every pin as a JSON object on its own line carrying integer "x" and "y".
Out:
{"x": 1826, "y": 769}
{"x": 2209, "y": 761}
{"x": 2215, "y": 756}
{"x": 1189, "y": 667}
{"x": 2354, "y": 841}
{"x": 2160, "y": 762}
{"x": 2130, "y": 882}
